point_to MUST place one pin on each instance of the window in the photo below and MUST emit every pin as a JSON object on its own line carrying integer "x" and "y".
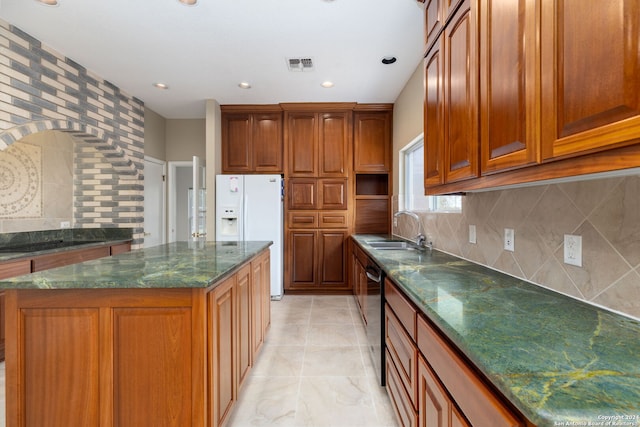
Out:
{"x": 412, "y": 181}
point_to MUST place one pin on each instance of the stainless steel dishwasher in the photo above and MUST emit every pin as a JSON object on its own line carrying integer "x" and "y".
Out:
{"x": 375, "y": 319}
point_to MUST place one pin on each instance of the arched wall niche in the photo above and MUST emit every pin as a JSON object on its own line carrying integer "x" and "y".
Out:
{"x": 101, "y": 187}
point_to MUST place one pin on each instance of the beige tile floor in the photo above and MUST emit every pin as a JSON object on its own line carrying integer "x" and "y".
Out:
{"x": 314, "y": 370}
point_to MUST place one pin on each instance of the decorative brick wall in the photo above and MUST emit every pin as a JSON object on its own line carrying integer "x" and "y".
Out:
{"x": 43, "y": 90}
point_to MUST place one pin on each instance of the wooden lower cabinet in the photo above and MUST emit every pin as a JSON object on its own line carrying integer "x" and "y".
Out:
{"x": 316, "y": 260}
{"x": 429, "y": 383}
{"x": 44, "y": 262}
{"x": 435, "y": 409}
{"x": 131, "y": 357}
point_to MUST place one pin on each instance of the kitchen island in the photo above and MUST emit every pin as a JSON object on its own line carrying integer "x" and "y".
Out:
{"x": 555, "y": 360}
{"x": 158, "y": 336}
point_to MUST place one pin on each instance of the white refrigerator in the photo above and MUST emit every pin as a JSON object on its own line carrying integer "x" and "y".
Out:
{"x": 249, "y": 207}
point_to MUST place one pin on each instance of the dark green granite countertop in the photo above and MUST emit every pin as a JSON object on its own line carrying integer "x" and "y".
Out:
{"x": 558, "y": 360}
{"x": 174, "y": 265}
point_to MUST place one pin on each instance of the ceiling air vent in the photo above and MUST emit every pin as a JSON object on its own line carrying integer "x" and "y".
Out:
{"x": 300, "y": 64}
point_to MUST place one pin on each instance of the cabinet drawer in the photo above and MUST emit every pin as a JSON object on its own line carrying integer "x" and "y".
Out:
{"x": 474, "y": 398}
{"x": 333, "y": 219}
{"x": 15, "y": 268}
{"x": 402, "y": 308}
{"x": 404, "y": 353}
{"x": 400, "y": 401}
{"x": 302, "y": 219}
{"x": 71, "y": 257}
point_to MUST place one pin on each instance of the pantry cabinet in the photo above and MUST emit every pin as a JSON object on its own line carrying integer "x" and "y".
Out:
{"x": 252, "y": 139}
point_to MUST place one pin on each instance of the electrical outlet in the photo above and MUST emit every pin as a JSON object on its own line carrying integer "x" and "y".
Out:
{"x": 573, "y": 250}
{"x": 395, "y": 221}
{"x": 472, "y": 234}
{"x": 509, "y": 239}
{"x": 65, "y": 224}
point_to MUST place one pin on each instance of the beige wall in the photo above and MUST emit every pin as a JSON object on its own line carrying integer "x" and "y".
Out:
{"x": 155, "y": 135}
{"x": 605, "y": 212}
{"x": 185, "y": 138}
{"x": 407, "y": 118}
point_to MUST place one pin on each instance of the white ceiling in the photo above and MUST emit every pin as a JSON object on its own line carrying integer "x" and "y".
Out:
{"x": 204, "y": 51}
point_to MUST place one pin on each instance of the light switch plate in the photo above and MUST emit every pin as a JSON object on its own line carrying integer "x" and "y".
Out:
{"x": 472, "y": 234}
{"x": 65, "y": 224}
{"x": 573, "y": 250}
{"x": 509, "y": 239}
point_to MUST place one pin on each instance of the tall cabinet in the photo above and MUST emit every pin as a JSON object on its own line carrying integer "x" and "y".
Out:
{"x": 318, "y": 141}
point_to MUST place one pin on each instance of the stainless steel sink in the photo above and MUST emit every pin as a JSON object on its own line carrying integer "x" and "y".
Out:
{"x": 391, "y": 245}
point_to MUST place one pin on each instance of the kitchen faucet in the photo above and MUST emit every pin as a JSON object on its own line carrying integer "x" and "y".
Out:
{"x": 420, "y": 239}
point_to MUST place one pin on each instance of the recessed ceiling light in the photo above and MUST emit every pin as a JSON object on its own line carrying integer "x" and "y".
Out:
{"x": 327, "y": 84}
{"x": 389, "y": 60}
{"x": 188, "y": 2}
{"x": 161, "y": 86}
{"x": 48, "y": 2}
{"x": 244, "y": 85}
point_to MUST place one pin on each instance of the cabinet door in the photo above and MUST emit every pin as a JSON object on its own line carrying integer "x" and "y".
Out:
{"x": 434, "y": 115}
{"x": 590, "y": 67}
{"x": 154, "y": 386}
{"x": 302, "y": 193}
{"x": 222, "y": 323}
{"x": 332, "y": 258}
{"x": 433, "y": 21}
{"x": 301, "y": 258}
{"x": 334, "y": 144}
{"x": 461, "y": 94}
{"x": 508, "y": 88}
{"x": 266, "y": 140}
{"x": 372, "y": 141}
{"x": 332, "y": 194}
{"x": 301, "y": 137}
{"x": 257, "y": 295}
{"x": 244, "y": 294}
{"x": 435, "y": 409}
{"x": 236, "y": 143}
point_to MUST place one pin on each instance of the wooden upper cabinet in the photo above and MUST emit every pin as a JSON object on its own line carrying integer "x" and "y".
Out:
{"x": 509, "y": 85}
{"x": 461, "y": 94}
{"x": 334, "y": 136}
{"x": 434, "y": 116}
{"x": 433, "y": 21}
{"x": 252, "y": 140}
{"x": 372, "y": 141}
{"x": 267, "y": 142}
{"x": 236, "y": 142}
{"x": 301, "y": 136}
{"x": 590, "y": 67}
{"x": 318, "y": 142}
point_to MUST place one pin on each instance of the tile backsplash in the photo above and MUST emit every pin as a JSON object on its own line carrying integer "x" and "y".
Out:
{"x": 605, "y": 212}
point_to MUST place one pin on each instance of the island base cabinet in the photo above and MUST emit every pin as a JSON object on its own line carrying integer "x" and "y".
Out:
{"x": 104, "y": 358}
{"x": 169, "y": 357}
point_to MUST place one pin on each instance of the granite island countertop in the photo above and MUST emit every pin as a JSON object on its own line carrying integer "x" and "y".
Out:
{"x": 173, "y": 265}
{"x": 560, "y": 361}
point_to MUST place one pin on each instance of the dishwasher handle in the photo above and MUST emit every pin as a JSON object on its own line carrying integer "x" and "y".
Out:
{"x": 374, "y": 273}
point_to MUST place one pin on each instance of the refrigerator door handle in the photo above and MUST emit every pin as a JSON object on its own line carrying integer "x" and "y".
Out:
{"x": 245, "y": 215}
